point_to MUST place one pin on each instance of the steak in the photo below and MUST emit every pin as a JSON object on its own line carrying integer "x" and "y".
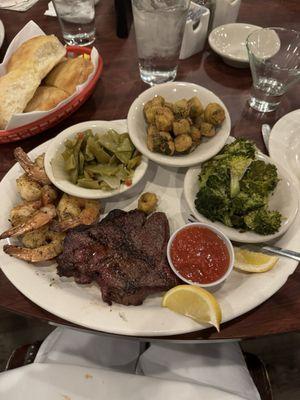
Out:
{"x": 125, "y": 254}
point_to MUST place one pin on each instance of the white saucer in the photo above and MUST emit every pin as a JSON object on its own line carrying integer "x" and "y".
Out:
{"x": 284, "y": 144}
{"x": 229, "y": 41}
{"x": 2, "y": 33}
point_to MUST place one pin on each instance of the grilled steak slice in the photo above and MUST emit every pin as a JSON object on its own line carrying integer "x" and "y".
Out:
{"x": 125, "y": 254}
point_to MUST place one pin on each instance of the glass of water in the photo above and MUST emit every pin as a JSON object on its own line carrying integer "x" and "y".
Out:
{"x": 159, "y": 27}
{"x": 77, "y": 21}
{"x": 274, "y": 56}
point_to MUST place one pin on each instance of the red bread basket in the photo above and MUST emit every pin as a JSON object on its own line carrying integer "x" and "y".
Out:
{"x": 25, "y": 131}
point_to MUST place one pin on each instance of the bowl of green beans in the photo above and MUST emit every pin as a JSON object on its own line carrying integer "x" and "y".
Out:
{"x": 94, "y": 160}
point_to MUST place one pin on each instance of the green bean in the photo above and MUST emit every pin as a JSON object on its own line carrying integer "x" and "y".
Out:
{"x": 100, "y": 161}
{"x": 88, "y": 183}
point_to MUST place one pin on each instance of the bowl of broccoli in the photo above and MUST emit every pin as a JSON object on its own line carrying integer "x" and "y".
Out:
{"x": 243, "y": 193}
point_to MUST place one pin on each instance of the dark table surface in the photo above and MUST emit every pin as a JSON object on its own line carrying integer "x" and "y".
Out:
{"x": 120, "y": 84}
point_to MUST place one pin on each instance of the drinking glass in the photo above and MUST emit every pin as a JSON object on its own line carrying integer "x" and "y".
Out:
{"x": 159, "y": 27}
{"x": 77, "y": 21}
{"x": 274, "y": 56}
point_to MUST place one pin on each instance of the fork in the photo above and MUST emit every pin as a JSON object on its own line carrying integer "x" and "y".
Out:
{"x": 264, "y": 247}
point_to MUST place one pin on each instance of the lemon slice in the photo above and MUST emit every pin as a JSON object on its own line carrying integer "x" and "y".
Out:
{"x": 194, "y": 302}
{"x": 250, "y": 261}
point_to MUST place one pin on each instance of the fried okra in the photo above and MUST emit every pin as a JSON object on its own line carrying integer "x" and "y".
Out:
{"x": 214, "y": 114}
{"x": 207, "y": 129}
{"x": 195, "y": 134}
{"x": 181, "y": 109}
{"x": 147, "y": 202}
{"x": 195, "y": 107}
{"x": 182, "y": 126}
{"x": 160, "y": 142}
{"x": 183, "y": 143}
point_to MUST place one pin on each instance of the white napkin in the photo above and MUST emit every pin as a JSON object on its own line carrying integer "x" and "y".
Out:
{"x": 69, "y": 382}
{"x": 51, "y": 10}
{"x": 17, "y": 5}
{"x": 219, "y": 365}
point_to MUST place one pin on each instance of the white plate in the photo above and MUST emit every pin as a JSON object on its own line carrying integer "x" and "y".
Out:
{"x": 284, "y": 199}
{"x": 2, "y": 33}
{"x": 229, "y": 42}
{"x": 82, "y": 304}
{"x": 172, "y": 92}
{"x": 284, "y": 143}
{"x": 59, "y": 177}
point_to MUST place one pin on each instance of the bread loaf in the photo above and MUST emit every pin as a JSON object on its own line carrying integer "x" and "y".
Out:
{"x": 45, "y": 98}
{"x": 41, "y": 53}
{"x": 16, "y": 89}
{"x": 25, "y": 70}
{"x": 70, "y": 73}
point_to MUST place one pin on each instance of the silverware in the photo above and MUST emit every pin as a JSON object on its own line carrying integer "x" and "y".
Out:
{"x": 266, "y": 130}
{"x": 263, "y": 247}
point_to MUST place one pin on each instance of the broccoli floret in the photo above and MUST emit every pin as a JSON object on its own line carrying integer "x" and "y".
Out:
{"x": 240, "y": 147}
{"x": 260, "y": 178}
{"x": 207, "y": 168}
{"x": 238, "y": 166}
{"x": 243, "y": 203}
{"x": 263, "y": 221}
{"x": 213, "y": 204}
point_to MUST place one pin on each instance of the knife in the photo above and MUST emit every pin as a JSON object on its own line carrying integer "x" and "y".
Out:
{"x": 295, "y": 255}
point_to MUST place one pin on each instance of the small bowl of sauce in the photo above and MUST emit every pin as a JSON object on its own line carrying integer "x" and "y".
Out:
{"x": 200, "y": 254}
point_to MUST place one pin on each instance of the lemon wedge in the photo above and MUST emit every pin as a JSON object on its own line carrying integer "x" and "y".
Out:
{"x": 251, "y": 261}
{"x": 194, "y": 302}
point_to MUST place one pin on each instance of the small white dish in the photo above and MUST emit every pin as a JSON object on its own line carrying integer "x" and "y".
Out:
{"x": 172, "y": 92}
{"x": 2, "y": 33}
{"x": 229, "y": 42}
{"x": 284, "y": 143}
{"x": 225, "y": 240}
{"x": 54, "y": 164}
{"x": 284, "y": 199}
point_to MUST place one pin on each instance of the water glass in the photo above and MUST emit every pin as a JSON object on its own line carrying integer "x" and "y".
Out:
{"x": 77, "y": 21}
{"x": 159, "y": 27}
{"x": 274, "y": 56}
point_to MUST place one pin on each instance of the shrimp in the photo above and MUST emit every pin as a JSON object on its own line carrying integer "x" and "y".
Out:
{"x": 52, "y": 248}
{"x": 40, "y": 218}
{"x": 28, "y": 189}
{"x": 73, "y": 211}
{"x": 20, "y": 213}
{"x": 48, "y": 195}
{"x": 35, "y": 170}
{"x": 35, "y": 238}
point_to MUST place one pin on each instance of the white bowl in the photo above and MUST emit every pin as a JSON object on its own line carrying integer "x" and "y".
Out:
{"x": 221, "y": 235}
{"x": 172, "y": 92}
{"x": 284, "y": 199}
{"x": 229, "y": 41}
{"x": 54, "y": 164}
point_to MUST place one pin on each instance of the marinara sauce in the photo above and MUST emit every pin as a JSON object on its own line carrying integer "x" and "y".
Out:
{"x": 199, "y": 254}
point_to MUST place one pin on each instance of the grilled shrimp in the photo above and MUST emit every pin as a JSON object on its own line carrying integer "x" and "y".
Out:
{"x": 52, "y": 248}
{"x": 35, "y": 238}
{"x": 35, "y": 170}
{"x": 48, "y": 195}
{"x": 73, "y": 211}
{"x": 28, "y": 189}
{"x": 20, "y": 213}
{"x": 40, "y": 218}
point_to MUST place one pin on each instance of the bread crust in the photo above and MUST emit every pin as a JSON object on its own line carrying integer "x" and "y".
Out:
{"x": 69, "y": 73}
{"x": 45, "y": 98}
